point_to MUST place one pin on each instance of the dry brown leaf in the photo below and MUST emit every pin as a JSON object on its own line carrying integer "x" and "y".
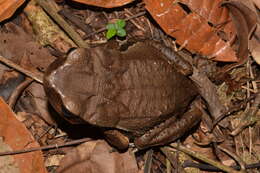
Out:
{"x": 192, "y": 29}
{"x": 244, "y": 20}
{"x": 97, "y": 157}
{"x": 7, "y": 8}
{"x": 18, "y": 137}
{"x": 105, "y": 3}
{"x": 254, "y": 43}
{"x": 16, "y": 45}
{"x": 211, "y": 12}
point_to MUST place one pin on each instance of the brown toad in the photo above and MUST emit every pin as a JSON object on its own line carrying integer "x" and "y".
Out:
{"x": 137, "y": 91}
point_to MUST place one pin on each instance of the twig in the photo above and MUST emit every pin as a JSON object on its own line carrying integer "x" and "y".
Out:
{"x": 168, "y": 166}
{"x": 47, "y": 6}
{"x": 172, "y": 158}
{"x": 148, "y": 161}
{"x": 35, "y": 75}
{"x": 211, "y": 168}
{"x": 75, "y": 20}
{"x": 74, "y": 142}
{"x": 134, "y": 22}
{"x": 235, "y": 157}
{"x": 104, "y": 28}
{"x": 203, "y": 158}
{"x": 208, "y": 91}
{"x": 44, "y": 133}
{"x": 18, "y": 90}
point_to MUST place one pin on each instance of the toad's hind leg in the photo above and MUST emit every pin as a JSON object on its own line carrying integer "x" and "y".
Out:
{"x": 170, "y": 130}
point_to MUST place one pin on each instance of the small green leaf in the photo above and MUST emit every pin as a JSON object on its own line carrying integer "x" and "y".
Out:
{"x": 111, "y": 33}
{"x": 120, "y": 23}
{"x": 110, "y": 26}
{"x": 121, "y": 32}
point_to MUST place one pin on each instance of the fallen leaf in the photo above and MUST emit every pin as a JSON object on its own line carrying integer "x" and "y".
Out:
{"x": 97, "y": 157}
{"x": 7, "y": 8}
{"x": 18, "y": 137}
{"x": 105, "y": 3}
{"x": 244, "y": 20}
{"x": 191, "y": 27}
{"x": 17, "y": 45}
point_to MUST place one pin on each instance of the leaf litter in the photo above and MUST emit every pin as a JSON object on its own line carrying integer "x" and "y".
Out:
{"x": 203, "y": 28}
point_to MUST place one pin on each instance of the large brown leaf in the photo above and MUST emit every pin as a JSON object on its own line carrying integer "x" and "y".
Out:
{"x": 194, "y": 24}
{"x": 17, "y": 137}
{"x": 97, "y": 157}
{"x": 8, "y": 7}
{"x": 105, "y": 3}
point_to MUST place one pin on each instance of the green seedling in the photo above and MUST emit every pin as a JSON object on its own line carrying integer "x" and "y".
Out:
{"x": 116, "y": 28}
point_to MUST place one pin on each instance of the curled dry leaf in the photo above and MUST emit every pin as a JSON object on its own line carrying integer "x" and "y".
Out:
{"x": 97, "y": 157}
{"x": 105, "y": 3}
{"x": 254, "y": 42}
{"x": 7, "y": 8}
{"x": 18, "y": 137}
{"x": 190, "y": 23}
{"x": 244, "y": 20}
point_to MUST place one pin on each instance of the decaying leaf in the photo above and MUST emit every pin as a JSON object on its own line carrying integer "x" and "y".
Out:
{"x": 105, "y": 3}
{"x": 7, "y": 8}
{"x": 192, "y": 27}
{"x": 17, "y": 137}
{"x": 97, "y": 157}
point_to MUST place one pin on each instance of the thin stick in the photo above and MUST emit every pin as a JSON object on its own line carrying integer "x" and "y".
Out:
{"x": 76, "y": 21}
{"x": 36, "y": 76}
{"x": 74, "y": 142}
{"x": 203, "y": 158}
{"x": 148, "y": 161}
{"x": 235, "y": 157}
{"x": 211, "y": 168}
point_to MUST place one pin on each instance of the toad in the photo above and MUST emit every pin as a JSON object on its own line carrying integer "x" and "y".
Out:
{"x": 137, "y": 92}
